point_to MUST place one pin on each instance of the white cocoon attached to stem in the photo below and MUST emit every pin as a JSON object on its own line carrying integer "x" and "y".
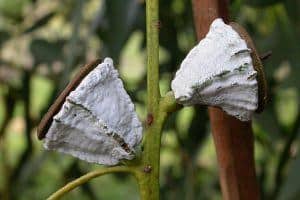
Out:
{"x": 97, "y": 122}
{"x": 219, "y": 72}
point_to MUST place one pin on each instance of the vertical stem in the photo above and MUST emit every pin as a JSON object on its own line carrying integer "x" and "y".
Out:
{"x": 152, "y": 20}
{"x": 205, "y": 11}
{"x": 233, "y": 139}
{"x": 147, "y": 171}
{"x": 149, "y": 181}
{"x": 235, "y": 150}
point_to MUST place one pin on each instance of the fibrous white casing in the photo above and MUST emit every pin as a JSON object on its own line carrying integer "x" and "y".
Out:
{"x": 97, "y": 122}
{"x": 219, "y": 72}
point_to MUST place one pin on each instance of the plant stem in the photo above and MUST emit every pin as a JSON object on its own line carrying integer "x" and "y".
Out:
{"x": 149, "y": 183}
{"x": 83, "y": 179}
{"x": 233, "y": 139}
{"x": 152, "y": 21}
{"x": 147, "y": 170}
{"x": 149, "y": 180}
{"x": 168, "y": 103}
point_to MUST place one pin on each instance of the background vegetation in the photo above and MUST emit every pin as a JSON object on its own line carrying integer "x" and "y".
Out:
{"x": 42, "y": 43}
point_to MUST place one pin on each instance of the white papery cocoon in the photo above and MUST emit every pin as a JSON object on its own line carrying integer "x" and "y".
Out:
{"x": 97, "y": 123}
{"x": 219, "y": 72}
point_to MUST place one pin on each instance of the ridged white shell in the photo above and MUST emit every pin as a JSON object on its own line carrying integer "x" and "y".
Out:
{"x": 97, "y": 123}
{"x": 219, "y": 72}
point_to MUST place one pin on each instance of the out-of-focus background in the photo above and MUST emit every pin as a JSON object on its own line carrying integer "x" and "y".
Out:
{"x": 44, "y": 42}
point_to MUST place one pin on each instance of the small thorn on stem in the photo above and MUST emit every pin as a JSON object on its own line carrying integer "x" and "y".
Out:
{"x": 265, "y": 55}
{"x": 149, "y": 119}
{"x": 147, "y": 169}
{"x": 158, "y": 24}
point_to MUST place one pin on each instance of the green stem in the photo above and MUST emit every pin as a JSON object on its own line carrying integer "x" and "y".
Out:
{"x": 168, "y": 103}
{"x": 85, "y": 178}
{"x": 152, "y": 21}
{"x": 147, "y": 170}
{"x": 149, "y": 183}
{"x": 149, "y": 180}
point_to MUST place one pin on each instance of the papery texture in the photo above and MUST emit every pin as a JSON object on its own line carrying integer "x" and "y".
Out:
{"x": 219, "y": 72}
{"x": 97, "y": 123}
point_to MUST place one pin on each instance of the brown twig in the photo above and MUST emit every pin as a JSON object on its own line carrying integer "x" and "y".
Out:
{"x": 47, "y": 119}
{"x": 265, "y": 55}
{"x": 233, "y": 139}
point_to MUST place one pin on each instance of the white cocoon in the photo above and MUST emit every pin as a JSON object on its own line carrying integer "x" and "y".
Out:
{"x": 218, "y": 71}
{"x": 97, "y": 123}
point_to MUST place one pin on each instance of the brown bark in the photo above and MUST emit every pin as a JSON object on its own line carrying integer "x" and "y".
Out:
{"x": 233, "y": 139}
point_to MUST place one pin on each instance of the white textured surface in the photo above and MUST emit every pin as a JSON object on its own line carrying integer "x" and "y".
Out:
{"x": 219, "y": 72}
{"x": 97, "y": 122}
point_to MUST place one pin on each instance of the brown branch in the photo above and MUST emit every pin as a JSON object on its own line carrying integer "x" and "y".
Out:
{"x": 265, "y": 55}
{"x": 233, "y": 139}
{"x": 205, "y": 11}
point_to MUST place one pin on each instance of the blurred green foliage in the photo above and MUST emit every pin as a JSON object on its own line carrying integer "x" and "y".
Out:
{"x": 42, "y": 44}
